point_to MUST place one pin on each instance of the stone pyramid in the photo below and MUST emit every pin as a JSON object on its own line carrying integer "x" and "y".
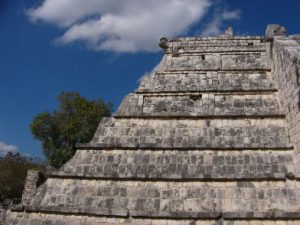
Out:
{"x": 211, "y": 137}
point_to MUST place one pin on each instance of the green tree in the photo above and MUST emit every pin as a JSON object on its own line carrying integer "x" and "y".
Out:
{"x": 75, "y": 121}
{"x": 13, "y": 170}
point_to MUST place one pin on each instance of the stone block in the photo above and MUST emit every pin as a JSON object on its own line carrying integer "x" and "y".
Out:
{"x": 275, "y": 30}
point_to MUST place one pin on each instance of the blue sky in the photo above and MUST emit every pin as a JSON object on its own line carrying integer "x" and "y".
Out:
{"x": 101, "y": 48}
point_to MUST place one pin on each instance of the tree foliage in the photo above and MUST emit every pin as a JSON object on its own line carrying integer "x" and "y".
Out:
{"x": 75, "y": 121}
{"x": 13, "y": 170}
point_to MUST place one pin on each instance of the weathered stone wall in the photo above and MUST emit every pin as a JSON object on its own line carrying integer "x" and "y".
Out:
{"x": 207, "y": 81}
{"x": 286, "y": 70}
{"x": 33, "y": 179}
{"x": 169, "y": 199}
{"x": 204, "y": 104}
{"x": 50, "y": 219}
{"x": 215, "y": 44}
{"x": 179, "y": 165}
{"x": 217, "y": 61}
{"x": 187, "y": 133}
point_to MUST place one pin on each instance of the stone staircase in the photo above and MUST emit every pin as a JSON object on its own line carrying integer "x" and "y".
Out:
{"x": 203, "y": 140}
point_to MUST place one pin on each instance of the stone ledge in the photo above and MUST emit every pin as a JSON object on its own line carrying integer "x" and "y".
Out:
{"x": 155, "y": 146}
{"x": 168, "y": 199}
{"x": 202, "y": 105}
{"x": 215, "y": 91}
{"x": 220, "y": 71}
{"x": 180, "y": 39}
{"x": 274, "y": 215}
{"x": 179, "y": 165}
{"x": 186, "y": 70}
{"x": 52, "y": 219}
{"x": 93, "y": 146}
{"x": 17, "y": 208}
{"x": 192, "y": 117}
{"x": 76, "y": 211}
{"x": 194, "y": 134}
{"x": 214, "y": 49}
{"x": 208, "y": 81}
{"x": 61, "y": 175}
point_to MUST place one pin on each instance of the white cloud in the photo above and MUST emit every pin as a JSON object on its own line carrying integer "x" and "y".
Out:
{"x": 5, "y": 148}
{"x": 118, "y": 25}
{"x": 215, "y": 26}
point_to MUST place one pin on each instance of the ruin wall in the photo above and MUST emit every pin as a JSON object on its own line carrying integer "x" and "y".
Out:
{"x": 285, "y": 56}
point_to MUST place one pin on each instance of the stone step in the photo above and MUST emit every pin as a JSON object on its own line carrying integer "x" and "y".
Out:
{"x": 16, "y": 218}
{"x": 250, "y": 200}
{"x": 217, "y": 49}
{"x": 216, "y": 61}
{"x": 190, "y": 134}
{"x": 207, "y": 81}
{"x": 223, "y": 43}
{"x": 176, "y": 47}
{"x": 226, "y": 39}
{"x": 199, "y": 105}
{"x": 179, "y": 165}
{"x": 204, "y": 48}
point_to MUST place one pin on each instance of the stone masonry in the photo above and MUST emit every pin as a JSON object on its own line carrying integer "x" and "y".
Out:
{"x": 212, "y": 137}
{"x": 2, "y": 215}
{"x": 33, "y": 179}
